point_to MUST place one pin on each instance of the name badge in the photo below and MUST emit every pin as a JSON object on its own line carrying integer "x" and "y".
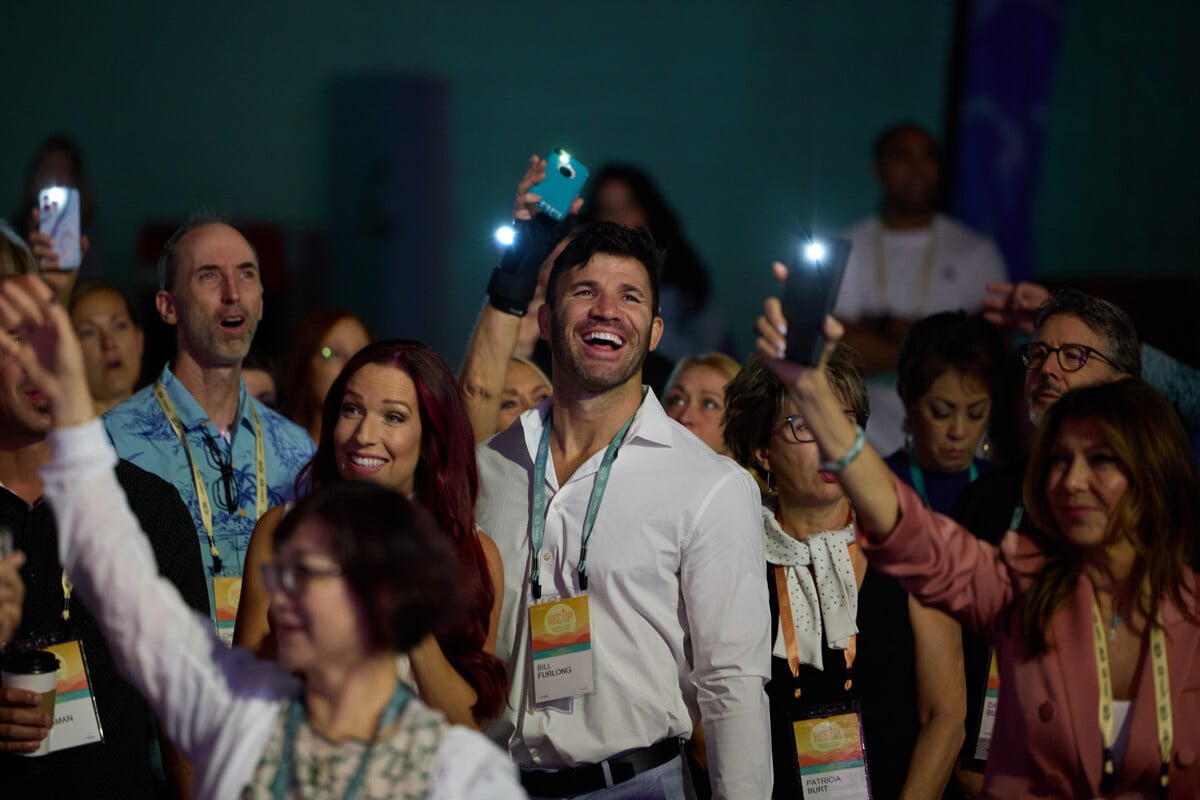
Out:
{"x": 987, "y": 719}
{"x": 227, "y": 593}
{"x": 831, "y": 756}
{"x": 561, "y": 640}
{"x": 76, "y": 721}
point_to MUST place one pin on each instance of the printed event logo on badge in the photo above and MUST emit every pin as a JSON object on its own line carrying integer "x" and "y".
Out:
{"x": 560, "y": 619}
{"x": 827, "y": 736}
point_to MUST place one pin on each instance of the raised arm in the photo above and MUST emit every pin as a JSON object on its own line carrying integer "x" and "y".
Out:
{"x": 866, "y": 479}
{"x": 933, "y": 557}
{"x": 167, "y": 651}
{"x": 511, "y": 289}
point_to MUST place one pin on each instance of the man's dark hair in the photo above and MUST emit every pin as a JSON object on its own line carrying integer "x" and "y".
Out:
{"x": 168, "y": 261}
{"x": 611, "y": 239}
{"x": 885, "y": 138}
{"x": 1110, "y": 323}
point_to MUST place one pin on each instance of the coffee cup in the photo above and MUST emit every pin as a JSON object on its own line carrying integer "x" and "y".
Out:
{"x": 36, "y": 671}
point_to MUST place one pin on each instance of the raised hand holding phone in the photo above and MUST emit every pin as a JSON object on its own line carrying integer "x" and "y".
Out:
{"x": 58, "y": 218}
{"x": 809, "y": 294}
{"x": 562, "y": 182}
{"x": 528, "y": 241}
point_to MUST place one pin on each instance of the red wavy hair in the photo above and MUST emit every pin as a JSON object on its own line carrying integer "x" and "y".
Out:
{"x": 446, "y": 482}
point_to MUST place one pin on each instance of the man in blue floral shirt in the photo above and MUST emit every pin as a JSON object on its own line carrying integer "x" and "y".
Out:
{"x": 196, "y": 426}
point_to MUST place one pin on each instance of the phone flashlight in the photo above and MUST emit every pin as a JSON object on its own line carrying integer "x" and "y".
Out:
{"x": 815, "y": 252}
{"x": 564, "y": 157}
{"x": 505, "y": 235}
{"x": 54, "y": 194}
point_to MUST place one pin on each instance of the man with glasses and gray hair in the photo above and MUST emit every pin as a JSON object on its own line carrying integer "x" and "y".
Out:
{"x": 229, "y": 456}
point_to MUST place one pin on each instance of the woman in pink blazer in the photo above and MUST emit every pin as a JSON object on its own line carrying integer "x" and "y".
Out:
{"x": 1094, "y": 623}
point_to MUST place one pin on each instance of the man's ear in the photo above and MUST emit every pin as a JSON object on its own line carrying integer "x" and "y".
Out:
{"x": 543, "y": 314}
{"x": 164, "y": 301}
{"x": 656, "y": 332}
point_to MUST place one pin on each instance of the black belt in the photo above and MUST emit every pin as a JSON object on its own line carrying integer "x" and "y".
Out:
{"x": 590, "y": 777}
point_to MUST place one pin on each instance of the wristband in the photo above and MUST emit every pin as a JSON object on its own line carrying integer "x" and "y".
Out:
{"x": 860, "y": 439}
{"x": 514, "y": 281}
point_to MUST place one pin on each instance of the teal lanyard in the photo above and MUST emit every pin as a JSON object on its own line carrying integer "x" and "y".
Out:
{"x": 295, "y": 715}
{"x": 918, "y": 476}
{"x": 1018, "y": 515}
{"x": 538, "y": 523}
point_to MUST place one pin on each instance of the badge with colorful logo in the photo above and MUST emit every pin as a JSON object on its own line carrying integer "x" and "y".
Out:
{"x": 831, "y": 758}
{"x": 76, "y": 721}
{"x": 227, "y": 593}
{"x": 987, "y": 719}
{"x": 561, "y": 638}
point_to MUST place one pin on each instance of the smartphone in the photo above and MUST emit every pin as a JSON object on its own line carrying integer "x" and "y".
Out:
{"x": 564, "y": 179}
{"x": 58, "y": 208}
{"x": 809, "y": 294}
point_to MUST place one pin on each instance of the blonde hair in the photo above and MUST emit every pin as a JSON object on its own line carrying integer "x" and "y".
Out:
{"x": 714, "y": 360}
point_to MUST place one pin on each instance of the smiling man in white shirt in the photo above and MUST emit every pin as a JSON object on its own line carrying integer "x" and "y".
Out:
{"x": 633, "y": 559}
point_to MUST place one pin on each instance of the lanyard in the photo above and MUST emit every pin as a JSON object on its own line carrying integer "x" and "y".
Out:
{"x": 1162, "y": 700}
{"x": 538, "y": 523}
{"x": 295, "y": 714}
{"x": 1018, "y": 515}
{"x": 922, "y": 278}
{"x": 67, "y": 588}
{"x": 260, "y": 468}
{"x": 918, "y": 475}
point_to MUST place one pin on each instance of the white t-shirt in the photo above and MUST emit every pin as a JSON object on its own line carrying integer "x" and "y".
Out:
{"x": 944, "y": 267}
{"x": 960, "y": 263}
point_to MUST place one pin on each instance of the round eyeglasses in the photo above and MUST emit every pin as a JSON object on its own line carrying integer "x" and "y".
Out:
{"x": 1071, "y": 357}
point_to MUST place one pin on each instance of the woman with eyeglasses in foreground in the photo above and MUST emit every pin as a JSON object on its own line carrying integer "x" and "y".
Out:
{"x": 900, "y": 663}
{"x": 360, "y": 575}
{"x": 394, "y": 416}
{"x": 1093, "y": 619}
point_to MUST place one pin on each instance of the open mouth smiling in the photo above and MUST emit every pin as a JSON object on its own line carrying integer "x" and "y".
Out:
{"x": 603, "y": 339}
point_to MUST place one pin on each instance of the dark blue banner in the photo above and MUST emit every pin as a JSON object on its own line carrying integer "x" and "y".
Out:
{"x": 1009, "y": 54}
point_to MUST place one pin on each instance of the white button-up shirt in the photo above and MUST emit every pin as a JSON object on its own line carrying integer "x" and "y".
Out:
{"x": 677, "y": 600}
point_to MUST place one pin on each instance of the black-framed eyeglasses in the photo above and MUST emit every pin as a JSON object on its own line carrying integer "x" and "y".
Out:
{"x": 798, "y": 428}
{"x": 1071, "y": 357}
{"x": 294, "y": 577}
{"x": 225, "y": 488}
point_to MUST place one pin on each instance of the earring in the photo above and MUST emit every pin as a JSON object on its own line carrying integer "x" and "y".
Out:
{"x": 986, "y": 447}
{"x": 770, "y": 483}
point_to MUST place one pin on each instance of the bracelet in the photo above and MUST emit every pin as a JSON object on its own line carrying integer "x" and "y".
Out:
{"x": 860, "y": 439}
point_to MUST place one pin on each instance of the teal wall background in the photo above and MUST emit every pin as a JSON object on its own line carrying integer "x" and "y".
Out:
{"x": 1119, "y": 194}
{"x": 754, "y": 117}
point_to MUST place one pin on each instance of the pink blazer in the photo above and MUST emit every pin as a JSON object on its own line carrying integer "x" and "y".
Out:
{"x": 1047, "y": 736}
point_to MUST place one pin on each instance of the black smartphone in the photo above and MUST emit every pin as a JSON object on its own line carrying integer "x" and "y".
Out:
{"x": 809, "y": 294}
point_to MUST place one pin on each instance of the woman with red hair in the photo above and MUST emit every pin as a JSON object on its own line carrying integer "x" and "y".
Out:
{"x": 395, "y": 417}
